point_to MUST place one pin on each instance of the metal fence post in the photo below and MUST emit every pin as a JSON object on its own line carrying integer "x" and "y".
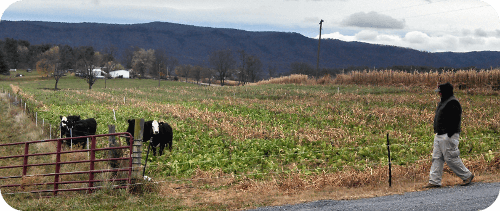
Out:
{"x": 137, "y": 148}
{"x": 389, "y": 155}
{"x": 58, "y": 167}
{"x": 25, "y": 161}
{"x": 71, "y": 140}
{"x": 92, "y": 160}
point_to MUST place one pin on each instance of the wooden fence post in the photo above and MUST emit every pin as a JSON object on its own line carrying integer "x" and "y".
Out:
{"x": 115, "y": 153}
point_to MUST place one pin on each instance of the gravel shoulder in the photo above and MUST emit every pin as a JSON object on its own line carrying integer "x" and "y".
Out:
{"x": 477, "y": 196}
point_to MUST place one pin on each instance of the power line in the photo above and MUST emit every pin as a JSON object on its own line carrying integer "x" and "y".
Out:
{"x": 418, "y": 5}
{"x": 469, "y": 8}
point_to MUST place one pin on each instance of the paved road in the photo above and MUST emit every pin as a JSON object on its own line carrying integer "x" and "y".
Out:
{"x": 478, "y": 196}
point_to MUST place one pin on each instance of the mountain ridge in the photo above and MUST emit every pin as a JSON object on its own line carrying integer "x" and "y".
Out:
{"x": 193, "y": 44}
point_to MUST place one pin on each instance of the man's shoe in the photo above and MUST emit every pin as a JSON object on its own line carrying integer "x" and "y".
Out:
{"x": 430, "y": 185}
{"x": 468, "y": 181}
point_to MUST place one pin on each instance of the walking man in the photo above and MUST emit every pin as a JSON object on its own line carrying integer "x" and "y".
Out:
{"x": 447, "y": 129}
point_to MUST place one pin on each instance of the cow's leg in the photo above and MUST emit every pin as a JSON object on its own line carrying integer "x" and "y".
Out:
{"x": 162, "y": 147}
{"x": 154, "y": 150}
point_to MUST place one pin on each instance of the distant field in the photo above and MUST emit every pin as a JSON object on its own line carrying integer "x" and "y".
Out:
{"x": 287, "y": 136}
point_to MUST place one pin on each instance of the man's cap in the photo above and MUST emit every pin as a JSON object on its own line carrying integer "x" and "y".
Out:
{"x": 447, "y": 87}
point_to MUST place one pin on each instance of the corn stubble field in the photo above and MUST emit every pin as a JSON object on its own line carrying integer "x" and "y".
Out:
{"x": 284, "y": 140}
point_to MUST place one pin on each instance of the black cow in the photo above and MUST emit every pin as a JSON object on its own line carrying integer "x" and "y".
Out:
{"x": 163, "y": 138}
{"x": 85, "y": 127}
{"x": 160, "y": 132}
{"x": 146, "y": 134}
{"x": 64, "y": 124}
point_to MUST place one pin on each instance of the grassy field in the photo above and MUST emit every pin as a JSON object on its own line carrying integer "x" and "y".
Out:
{"x": 272, "y": 136}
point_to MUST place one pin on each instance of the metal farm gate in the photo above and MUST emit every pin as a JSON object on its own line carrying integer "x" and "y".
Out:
{"x": 94, "y": 161}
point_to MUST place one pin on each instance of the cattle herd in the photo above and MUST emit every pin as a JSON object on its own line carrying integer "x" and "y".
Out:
{"x": 160, "y": 133}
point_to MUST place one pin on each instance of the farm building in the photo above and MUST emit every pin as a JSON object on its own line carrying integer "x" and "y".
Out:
{"x": 97, "y": 73}
{"x": 118, "y": 73}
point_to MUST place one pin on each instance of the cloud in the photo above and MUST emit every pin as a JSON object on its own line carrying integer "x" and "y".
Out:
{"x": 367, "y": 35}
{"x": 468, "y": 41}
{"x": 478, "y": 40}
{"x": 311, "y": 19}
{"x": 480, "y": 33}
{"x": 416, "y": 37}
{"x": 339, "y": 36}
{"x": 373, "y": 20}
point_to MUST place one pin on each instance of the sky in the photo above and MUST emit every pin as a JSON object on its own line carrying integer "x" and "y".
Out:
{"x": 426, "y": 25}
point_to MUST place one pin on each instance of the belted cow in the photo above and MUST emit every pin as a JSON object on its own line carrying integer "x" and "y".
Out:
{"x": 65, "y": 132}
{"x": 160, "y": 133}
{"x": 73, "y": 126}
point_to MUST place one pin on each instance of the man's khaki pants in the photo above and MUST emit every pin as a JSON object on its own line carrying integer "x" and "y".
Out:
{"x": 446, "y": 149}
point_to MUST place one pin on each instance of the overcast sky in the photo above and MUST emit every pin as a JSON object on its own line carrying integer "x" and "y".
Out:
{"x": 428, "y": 25}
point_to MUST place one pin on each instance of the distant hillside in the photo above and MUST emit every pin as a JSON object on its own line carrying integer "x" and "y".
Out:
{"x": 192, "y": 45}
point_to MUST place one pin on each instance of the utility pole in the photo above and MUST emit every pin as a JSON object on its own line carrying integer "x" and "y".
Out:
{"x": 319, "y": 42}
{"x": 159, "y": 75}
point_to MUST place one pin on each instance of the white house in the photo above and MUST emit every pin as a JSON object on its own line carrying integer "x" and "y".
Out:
{"x": 97, "y": 73}
{"x": 118, "y": 73}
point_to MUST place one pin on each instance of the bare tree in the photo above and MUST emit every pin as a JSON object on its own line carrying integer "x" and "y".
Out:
{"x": 272, "y": 69}
{"x": 109, "y": 53}
{"x": 208, "y": 73}
{"x": 222, "y": 61}
{"x": 48, "y": 64}
{"x": 109, "y": 61}
{"x": 128, "y": 54}
{"x": 183, "y": 70}
{"x": 171, "y": 63}
{"x": 143, "y": 61}
{"x": 160, "y": 64}
{"x": 254, "y": 68}
{"x": 110, "y": 66}
{"x": 195, "y": 73}
{"x": 241, "y": 72}
{"x": 88, "y": 60}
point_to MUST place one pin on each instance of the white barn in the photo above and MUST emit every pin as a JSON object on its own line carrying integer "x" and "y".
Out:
{"x": 118, "y": 73}
{"x": 97, "y": 73}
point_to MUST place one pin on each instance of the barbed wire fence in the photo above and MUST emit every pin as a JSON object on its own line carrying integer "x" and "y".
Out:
{"x": 16, "y": 100}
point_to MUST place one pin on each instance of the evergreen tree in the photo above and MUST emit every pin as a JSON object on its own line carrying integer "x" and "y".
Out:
{"x": 4, "y": 68}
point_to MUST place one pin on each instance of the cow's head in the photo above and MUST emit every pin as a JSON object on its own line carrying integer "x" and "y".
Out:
{"x": 155, "y": 127}
{"x": 64, "y": 121}
{"x": 69, "y": 120}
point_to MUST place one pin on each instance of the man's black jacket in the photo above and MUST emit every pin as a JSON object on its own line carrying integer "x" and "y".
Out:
{"x": 448, "y": 113}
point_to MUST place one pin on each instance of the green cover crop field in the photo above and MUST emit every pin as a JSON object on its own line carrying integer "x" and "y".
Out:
{"x": 241, "y": 147}
{"x": 257, "y": 130}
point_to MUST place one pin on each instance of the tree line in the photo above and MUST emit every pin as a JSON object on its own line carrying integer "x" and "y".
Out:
{"x": 221, "y": 65}
{"x": 56, "y": 60}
